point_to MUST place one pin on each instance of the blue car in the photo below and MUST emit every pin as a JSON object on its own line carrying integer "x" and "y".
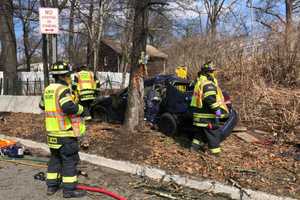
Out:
{"x": 166, "y": 105}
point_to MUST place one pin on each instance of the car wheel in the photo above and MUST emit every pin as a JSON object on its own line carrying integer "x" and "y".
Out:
{"x": 99, "y": 114}
{"x": 167, "y": 124}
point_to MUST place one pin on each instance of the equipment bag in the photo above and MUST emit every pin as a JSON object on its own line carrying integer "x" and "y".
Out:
{"x": 11, "y": 148}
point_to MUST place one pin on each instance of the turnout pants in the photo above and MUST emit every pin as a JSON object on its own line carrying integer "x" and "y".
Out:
{"x": 62, "y": 164}
{"x": 212, "y": 137}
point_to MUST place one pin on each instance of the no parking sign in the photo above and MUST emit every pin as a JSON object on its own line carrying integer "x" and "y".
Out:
{"x": 49, "y": 22}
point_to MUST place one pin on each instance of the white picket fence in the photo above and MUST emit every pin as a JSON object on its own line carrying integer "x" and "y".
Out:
{"x": 112, "y": 80}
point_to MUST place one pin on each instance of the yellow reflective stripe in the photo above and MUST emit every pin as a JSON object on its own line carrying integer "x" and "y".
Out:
{"x": 80, "y": 109}
{"x": 204, "y": 115}
{"x": 69, "y": 179}
{"x": 87, "y": 98}
{"x": 224, "y": 115}
{"x": 200, "y": 124}
{"x": 82, "y": 92}
{"x": 209, "y": 93}
{"x": 52, "y": 176}
{"x": 54, "y": 146}
{"x": 195, "y": 141}
{"x": 206, "y": 82}
{"x": 215, "y": 150}
{"x": 61, "y": 134}
{"x": 64, "y": 100}
{"x": 215, "y": 105}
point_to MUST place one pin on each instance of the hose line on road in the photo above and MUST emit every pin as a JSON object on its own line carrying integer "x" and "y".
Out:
{"x": 100, "y": 190}
{"x": 24, "y": 161}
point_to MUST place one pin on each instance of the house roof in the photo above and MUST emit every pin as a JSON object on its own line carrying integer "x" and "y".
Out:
{"x": 151, "y": 50}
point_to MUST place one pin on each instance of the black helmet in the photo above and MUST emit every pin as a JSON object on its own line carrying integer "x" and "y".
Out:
{"x": 60, "y": 68}
{"x": 207, "y": 67}
{"x": 83, "y": 67}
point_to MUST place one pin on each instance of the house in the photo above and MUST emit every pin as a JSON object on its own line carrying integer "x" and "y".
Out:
{"x": 111, "y": 56}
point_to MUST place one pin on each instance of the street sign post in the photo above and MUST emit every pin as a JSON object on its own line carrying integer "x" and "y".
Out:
{"x": 49, "y": 25}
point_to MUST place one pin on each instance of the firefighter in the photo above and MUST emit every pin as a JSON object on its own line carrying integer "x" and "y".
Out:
{"x": 86, "y": 86}
{"x": 181, "y": 72}
{"x": 209, "y": 109}
{"x": 64, "y": 127}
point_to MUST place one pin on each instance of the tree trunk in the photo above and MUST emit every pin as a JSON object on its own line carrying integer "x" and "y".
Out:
{"x": 71, "y": 33}
{"x": 8, "y": 42}
{"x": 26, "y": 43}
{"x": 289, "y": 24}
{"x": 89, "y": 49}
{"x": 126, "y": 40}
{"x": 99, "y": 32}
{"x": 134, "y": 117}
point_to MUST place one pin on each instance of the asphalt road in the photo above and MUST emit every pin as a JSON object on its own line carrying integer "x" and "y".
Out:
{"x": 17, "y": 183}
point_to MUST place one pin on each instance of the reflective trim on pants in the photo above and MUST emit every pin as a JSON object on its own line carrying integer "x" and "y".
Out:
{"x": 52, "y": 176}
{"x": 215, "y": 150}
{"x": 69, "y": 179}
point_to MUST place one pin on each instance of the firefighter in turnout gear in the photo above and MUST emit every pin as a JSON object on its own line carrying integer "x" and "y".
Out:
{"x": 64, "y": 127}
{"x": 86, "y": 86}
{"x": 209, "y": 110}
{"x": 181, "y": 72}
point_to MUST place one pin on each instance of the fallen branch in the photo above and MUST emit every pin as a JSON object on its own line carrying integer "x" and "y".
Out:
{"x": 238, "y": 186}
{"x": 161, "y": 194}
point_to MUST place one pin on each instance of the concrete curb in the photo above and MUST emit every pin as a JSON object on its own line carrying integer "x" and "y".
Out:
{"x": 24, "y": 104}
{"x": 155, "y": 173}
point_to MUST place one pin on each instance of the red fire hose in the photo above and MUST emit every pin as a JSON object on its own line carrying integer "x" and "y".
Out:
{"x": 100, "y": 190}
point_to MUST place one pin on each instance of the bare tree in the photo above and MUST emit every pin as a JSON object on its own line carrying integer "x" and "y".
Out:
{"x": 135, "y": 108}
{"x": 270, "y": 16}
{"x": 8, "y": 44}
{"x": 94, "y": 23}
{"x": 214, "y": 10}
{"x": 71, "y": 32}
{"x": 126, "y": 39}
{"x": 26, "y": 12}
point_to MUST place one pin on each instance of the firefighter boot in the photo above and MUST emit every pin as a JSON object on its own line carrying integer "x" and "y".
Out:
{"x": 52, "y": 190}
{"x": 74, "y": 193}
{"x": 197, "y": 145}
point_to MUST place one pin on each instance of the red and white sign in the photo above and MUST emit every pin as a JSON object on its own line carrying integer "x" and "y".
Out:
{"x": 49, "y": 22}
